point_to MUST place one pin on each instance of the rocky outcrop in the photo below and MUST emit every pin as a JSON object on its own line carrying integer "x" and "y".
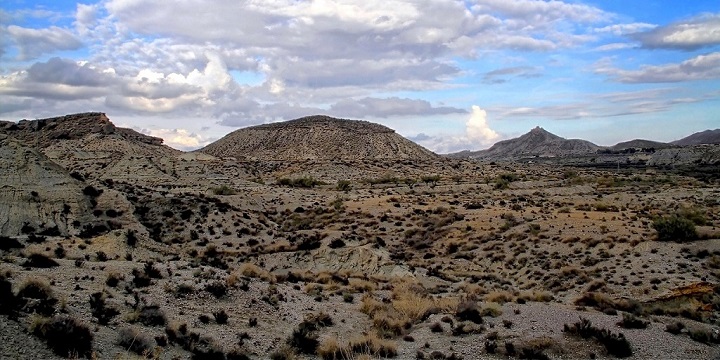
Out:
{"x": 537, "y": 143}
{"x": 38, "y": 196}
{"x": 84, "y": 132}
{"x": 687, "y": 155}
{"x": 317, "y": 138}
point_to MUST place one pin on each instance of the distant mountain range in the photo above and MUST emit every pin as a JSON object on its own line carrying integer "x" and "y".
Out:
{"x": 539, "y": 143}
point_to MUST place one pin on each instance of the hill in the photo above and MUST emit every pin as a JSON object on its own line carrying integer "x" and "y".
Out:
{"x": 37, "y": 195}
{"x": 536, "y": 143}
{"x": 91, "y": 132}
{"x": 317, "y": 138}
{"x": 640, "y": 144}
{"x": 698, "y": 138}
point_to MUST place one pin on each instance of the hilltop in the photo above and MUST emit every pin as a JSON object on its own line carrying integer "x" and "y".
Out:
{"x": 92, "y": 131}
{"x": 317, "y": 138}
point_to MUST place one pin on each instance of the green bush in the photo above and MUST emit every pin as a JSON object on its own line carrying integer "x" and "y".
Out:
{"x": 344, "y": 185}
{"x": 304, "y": 182}
{"x": 223, "y": 190}
{"x": 674, "y": 228}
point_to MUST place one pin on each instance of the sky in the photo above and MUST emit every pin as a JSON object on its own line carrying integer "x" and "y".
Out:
{"x": 450, "y": 75}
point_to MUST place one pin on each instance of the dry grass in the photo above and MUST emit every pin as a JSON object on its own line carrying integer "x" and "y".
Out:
{"x": 252, "y": 271}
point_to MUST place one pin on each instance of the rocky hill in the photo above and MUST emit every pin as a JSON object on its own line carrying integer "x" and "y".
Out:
{"x": 640, "y": 144}
{"x": 698, "y": 138}
{"x": 37, "y": 195}
{"x": 536, "y": 143}
{"x": 84, "y": 132}
{"x": 317, "y": 138}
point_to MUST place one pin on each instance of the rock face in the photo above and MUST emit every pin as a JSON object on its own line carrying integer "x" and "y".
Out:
{"x": 37, "y": 195}
{"x": 84, "y": 132}
{"x": 317, "y": 138}
{"x": 703, "y": 137}
{"x": 687, "y": 155}
{"x": 537, "y": 143}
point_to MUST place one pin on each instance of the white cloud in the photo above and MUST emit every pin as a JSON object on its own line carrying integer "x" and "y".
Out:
{"x": 695, "y": 33}
{"x": 701, "y": 67}
{"x": 181, "y": 139}
{"x": 35, "y": 42}
{"x": 625, "y": 29}
{"x": 477, "y": 127}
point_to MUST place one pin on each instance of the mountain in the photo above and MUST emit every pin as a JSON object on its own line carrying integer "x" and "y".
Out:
{"x": 318, "y": 138}
{"x": 640, "y": 144}
{"x": 536, "y": 143}
{"x": 703, "y": 137}
{"x": 92, "y": 132}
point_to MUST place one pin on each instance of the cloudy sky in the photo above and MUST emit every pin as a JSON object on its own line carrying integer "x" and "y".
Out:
{"x": 451, "y": 75}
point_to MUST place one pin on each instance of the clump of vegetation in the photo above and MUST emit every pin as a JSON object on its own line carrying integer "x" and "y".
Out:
{"x": 674, "y": 228}
{"x": 223, "y": 190}
{"x": 304, "y": 338}
{"x": 303, "y": 182}
{"x": 503, "y": 181}
{"x": 36, "y": 296}
{"x": 38, "y": 260}
{"x": 615, "y": 344}
{"x": 344, "y": 185}
{"x": 135, "y": 341}
{"x": 630, "y": 321}
{"x": 100, "y": 309}
{"x": 66, "y": 336}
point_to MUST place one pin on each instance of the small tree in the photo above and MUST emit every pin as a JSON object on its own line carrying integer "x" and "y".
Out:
{"x": 431, "y": 180}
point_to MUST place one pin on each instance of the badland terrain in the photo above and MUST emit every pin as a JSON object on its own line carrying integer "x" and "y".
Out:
{"x": 323, "y": 238}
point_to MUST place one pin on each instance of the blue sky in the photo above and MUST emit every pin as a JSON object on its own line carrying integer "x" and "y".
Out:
{"x": 451, "y": 75}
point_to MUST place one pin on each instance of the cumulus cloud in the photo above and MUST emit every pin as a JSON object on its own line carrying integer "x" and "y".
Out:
{"x": 693, "y": 34}
{"x": 32, "y": 43}
{"x": 701, "y": 67}
{"x": 478, "y": 135}
{"x": 477, "y": 126}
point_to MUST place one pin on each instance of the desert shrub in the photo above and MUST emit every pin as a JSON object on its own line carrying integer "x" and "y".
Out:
{"x": 674, "y": 228}
{"x": 304, "y": 338}
{"x": 151, "y": 315}
{"x": 344, "y": 185}
{"x": 372, "y": 344}
{"x": 8, "y": 243}
{"x": 133, "y": 340}
{"x": 431, "y": 180}
{"x": 66, "y": 336}
{"x": 615, "y": 344}
{"x": 223, "y": 190}
{"x": 130, "y": 238}
{"x": 99, "y": 308}
{"x": 36, "y": 296}
{"x": 337, "y": 243}
{"x": 697, "y": 216}
{"x": 436, "y": 327}
{"x": 221, "y": 317}
{"x": 217, "y": 288}
{"x": 675, "y": 327}
{"x": 630, "y": 321}
{"x": 704, "y": 336}
{"x": 38, "y": 260}
{"x": 469, "y": 311}
{"x": 8, "y": 302}
{"x": 304, "y": 182}
{"x": 603, "y": 302}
